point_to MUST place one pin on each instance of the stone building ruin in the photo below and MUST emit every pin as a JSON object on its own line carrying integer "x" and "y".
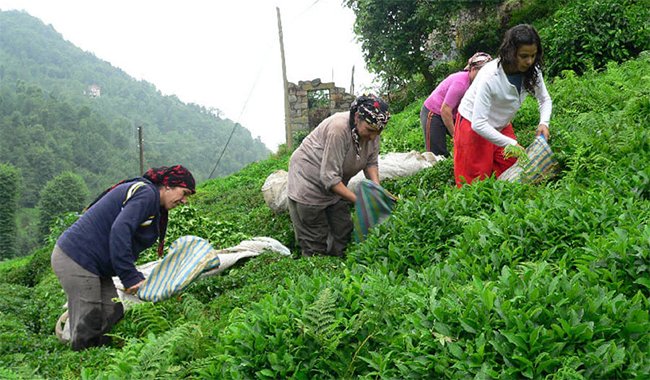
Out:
{"x": 312, "y": 101}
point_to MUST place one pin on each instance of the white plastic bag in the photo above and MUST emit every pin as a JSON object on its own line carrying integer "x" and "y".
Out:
{"x": 391, "y": 165}
{"x": 397, "y": 165}
{"x": 275, "y": 191}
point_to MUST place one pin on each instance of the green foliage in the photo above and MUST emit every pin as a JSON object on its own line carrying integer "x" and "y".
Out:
{"x": 403, "y": 132}
{"x": 493, "y": 280}
{"x": 33, "y": 272}
{"x": 238, "y": 198}
{"x": 319, "y": 321}
{"x": 393, "y": 35}
{"x": 318, "y": 99}
{"x": 517, "y": 152}
{"x": 9, "y": 186}
{"x": 27, "y": 238}
{"x": 298, "y": 136}
{"x": 67, "y": 192}
{"x": 484, "y": 34}
{"x": 587, "y": 34}
{"x": 534, "y": 12}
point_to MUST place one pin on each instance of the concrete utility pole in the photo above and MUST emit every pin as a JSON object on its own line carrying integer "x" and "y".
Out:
{"x": 352, "y": 82}
{"x": 141, "y": 145}
{"x": 287, "y": 116}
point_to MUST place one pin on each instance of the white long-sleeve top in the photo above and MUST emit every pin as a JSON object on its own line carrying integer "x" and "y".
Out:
{"x": 491, "y": 103}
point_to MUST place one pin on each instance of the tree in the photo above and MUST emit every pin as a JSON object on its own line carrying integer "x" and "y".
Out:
{"x": 393, "y": 36}
{"x": 9, "y": 188}
{"x": 66, "y": 192}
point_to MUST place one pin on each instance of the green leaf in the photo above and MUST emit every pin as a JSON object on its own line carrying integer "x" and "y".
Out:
{"x": 267, "y": 373}
{"x": 645, "y": 281}
{"x": 516, "y": 340}
{"x": 488, "y": 298}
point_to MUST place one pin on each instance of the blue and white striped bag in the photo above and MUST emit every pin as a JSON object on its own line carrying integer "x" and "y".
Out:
{"x": 188, "y": 257}
{"x": 541, "y": 164}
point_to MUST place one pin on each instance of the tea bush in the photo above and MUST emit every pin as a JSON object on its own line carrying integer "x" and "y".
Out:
{"x": 493, "y": 280}
{"x": 587, "y": 34}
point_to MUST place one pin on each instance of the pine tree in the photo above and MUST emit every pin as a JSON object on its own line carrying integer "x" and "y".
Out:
{"x": 9, "y": 188}
{"x": 66, "y": 192}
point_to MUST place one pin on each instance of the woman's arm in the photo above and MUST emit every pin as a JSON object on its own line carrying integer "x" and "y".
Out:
{"x": 372, "y": 173}
{"x": 137, "y": 210}
{"x": 545, "y": 107}
{"x": 447, "y": 118}
{"x": 344, "y": 192}
{"x": 334, "y": 151}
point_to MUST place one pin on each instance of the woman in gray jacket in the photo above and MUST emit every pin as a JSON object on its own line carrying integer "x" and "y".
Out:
{"x": 335, "y": 151}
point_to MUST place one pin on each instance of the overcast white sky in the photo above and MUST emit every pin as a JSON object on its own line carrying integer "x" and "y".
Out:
{"x": 217, "y": 53}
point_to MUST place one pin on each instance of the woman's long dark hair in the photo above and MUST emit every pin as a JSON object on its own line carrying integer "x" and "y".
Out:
{"x": 516, "y": 36}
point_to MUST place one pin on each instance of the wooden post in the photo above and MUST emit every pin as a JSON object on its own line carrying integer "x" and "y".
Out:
{"x": 141, "y": 145}
{"x": 287, "y": 116}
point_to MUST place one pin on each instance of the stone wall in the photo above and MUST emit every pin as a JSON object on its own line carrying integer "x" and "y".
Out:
{"x": 304, "y": 118}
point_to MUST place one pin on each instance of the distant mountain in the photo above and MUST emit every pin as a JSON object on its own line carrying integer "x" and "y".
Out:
{"x": 62, "y": 108}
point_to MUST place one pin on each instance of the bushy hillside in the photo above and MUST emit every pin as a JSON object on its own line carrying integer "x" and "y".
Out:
{"x": 50, "y": 124}
{"x": 494, "y": 280}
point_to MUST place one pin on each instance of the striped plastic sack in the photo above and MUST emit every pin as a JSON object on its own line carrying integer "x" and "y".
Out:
{"x": 188, "y": 257}
{"x": 541, "y": 165}
{"x": 374, "y": 204}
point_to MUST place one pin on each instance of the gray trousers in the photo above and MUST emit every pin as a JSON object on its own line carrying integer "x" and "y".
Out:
{"x": 435, "y": 132}
{"x": 324, "y": 230}
{"x": 91, "y": 309}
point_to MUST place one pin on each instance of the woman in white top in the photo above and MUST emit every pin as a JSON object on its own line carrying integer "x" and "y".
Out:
{"x": 483, "y": 126}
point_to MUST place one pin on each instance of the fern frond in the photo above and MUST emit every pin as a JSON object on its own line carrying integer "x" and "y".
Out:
{"x": 192, "y": 308}
{"x": 319, "y": 320}
{"x": 156, "y": 355}
{"x": 150, "y": 319}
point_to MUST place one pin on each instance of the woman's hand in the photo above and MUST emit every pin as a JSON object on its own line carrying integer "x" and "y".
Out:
{"x": 134, "y": 288}
{"x": 542, "y": 129}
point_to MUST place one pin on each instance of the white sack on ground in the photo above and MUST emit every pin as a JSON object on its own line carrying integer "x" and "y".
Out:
{"x": 275, "y": 191}
{"x": 398, "y": 165}
{"x": 391, "y": 165}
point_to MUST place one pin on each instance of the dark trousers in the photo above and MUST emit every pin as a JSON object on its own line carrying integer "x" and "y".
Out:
{"x": 435, "y": 132}
{"x": 324, "y": 230}
{"x": 91, "y": 309}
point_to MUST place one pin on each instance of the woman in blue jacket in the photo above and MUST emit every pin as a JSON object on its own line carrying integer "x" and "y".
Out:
{"x": 106, "y": 241}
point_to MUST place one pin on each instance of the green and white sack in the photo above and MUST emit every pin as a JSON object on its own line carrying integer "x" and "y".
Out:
{"x": 541, "y": 164}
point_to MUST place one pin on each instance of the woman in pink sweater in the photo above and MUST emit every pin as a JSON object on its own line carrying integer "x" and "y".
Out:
{"x": 439, "y": 110}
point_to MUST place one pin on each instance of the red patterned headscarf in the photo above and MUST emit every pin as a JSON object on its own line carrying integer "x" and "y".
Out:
{"x": 172, "y": 176}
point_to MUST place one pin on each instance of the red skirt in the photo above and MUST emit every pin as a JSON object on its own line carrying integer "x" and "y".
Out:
{"x": 474, "y": 156}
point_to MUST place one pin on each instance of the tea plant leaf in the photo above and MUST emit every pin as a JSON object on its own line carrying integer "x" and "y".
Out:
{"x": 517, "y": 152}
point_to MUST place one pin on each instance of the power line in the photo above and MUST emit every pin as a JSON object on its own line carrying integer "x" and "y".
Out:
{"x": 250, "y": 93}
{"x": 232, "y": 132}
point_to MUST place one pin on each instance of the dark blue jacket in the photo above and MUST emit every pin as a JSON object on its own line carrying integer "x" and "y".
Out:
{"x": 109, "y": 236}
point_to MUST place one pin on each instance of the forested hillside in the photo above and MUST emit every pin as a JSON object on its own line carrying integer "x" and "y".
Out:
{"x": 495, "y": 280}
{"x": 49, "y": 123}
